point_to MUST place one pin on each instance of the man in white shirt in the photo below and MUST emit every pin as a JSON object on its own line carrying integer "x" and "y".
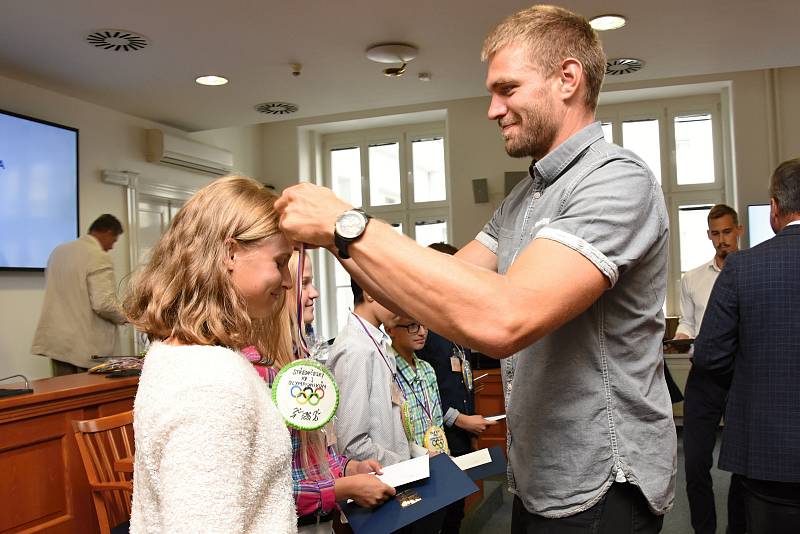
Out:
{"x": 705, "y": 394}
{"x": 81, "y": 310}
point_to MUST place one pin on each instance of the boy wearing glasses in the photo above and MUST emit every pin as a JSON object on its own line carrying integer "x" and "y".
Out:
{"x": 421, "y": 409}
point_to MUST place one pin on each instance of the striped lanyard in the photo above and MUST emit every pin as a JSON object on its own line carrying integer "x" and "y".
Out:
{"x": 380, "y": 351}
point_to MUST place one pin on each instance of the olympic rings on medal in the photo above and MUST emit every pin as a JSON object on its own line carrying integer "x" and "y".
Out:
{"x": 307, "y": 394}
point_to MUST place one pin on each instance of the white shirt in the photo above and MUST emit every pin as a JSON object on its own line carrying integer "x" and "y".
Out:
{"x": 696, "y": 286}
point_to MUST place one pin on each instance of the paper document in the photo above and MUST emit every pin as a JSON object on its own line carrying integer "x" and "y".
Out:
{"x": 496, "y": 417}
{"x": 473, "y": 459}
{"x": 406, "y": 472}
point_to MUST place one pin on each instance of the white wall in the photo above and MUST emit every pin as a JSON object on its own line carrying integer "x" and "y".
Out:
{"x": 108, "y": 140}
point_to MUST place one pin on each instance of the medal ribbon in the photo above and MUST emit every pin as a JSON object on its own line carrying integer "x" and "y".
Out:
{"x": 301, "y": 339}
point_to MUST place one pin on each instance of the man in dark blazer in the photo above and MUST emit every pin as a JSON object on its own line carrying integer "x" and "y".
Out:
{"x": 752, "y": 327}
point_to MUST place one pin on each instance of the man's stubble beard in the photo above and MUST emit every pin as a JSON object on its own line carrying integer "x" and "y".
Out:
{"x": 538, "y": 130}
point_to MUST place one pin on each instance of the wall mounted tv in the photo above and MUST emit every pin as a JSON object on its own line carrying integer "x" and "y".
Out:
{"x": 38, "y": 190}
{"x": 758, "y": 227}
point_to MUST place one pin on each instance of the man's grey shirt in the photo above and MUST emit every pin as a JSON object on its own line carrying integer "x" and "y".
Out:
{"x": 588, "y": 403}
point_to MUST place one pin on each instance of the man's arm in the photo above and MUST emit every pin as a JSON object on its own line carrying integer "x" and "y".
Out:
{"x": 101, "y": 285}
{"x": 718, "y": 340}
{"x": 686, "y": 327}
{"x": 548, "y": 284}
{"x": 474, "y": 253}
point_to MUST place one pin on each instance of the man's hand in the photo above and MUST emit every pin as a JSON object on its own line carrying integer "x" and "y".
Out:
{"x": 308, "y": 213}
{"x": 473, "y": 423}
{"x": 681, "y": 335}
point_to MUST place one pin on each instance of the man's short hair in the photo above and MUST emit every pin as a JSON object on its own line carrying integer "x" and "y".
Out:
{"x": 721, "y": 210}
{"x": 553, "y": 34}
{"x": 358, "y": 293}
{"x": 106, "y": 223}
{"x": 443, "y": 247}
{"x": 784, "y": 186}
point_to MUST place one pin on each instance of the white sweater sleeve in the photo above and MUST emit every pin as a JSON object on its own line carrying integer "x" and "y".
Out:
{"x": 204, "y": 455}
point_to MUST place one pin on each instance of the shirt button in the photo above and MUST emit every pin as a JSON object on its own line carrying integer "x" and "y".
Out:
{"x": 537, "y": 195}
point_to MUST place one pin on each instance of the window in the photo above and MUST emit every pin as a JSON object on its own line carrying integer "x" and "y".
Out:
{"x": 680, "y": 141}
{"x": 694, "y": 149}
{"x": 398, "y": 175}
{"x": 642, "y": 137}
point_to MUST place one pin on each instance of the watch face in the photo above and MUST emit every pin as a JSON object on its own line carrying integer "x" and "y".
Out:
{"x": 350, "y": 224}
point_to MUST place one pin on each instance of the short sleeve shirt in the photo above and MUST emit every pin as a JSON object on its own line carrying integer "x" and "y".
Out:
{"x": 588, "y": 403}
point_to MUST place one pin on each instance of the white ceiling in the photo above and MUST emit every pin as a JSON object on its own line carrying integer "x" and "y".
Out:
{"x": 252, "y": 42}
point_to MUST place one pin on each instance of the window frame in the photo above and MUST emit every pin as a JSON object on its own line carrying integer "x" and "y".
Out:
{"x": 720, "y": 191}
{"x": 406, "y": 213}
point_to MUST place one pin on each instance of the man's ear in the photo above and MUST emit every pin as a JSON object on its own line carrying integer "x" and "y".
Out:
{"x": 368, "y": 298}
{"x": 570, "y": 77}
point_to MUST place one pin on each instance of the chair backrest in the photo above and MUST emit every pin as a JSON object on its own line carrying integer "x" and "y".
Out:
{"x": 102, "y": 442}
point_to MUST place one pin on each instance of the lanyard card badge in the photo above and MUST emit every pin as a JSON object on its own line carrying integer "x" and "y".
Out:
{"x": 305, "y": 391}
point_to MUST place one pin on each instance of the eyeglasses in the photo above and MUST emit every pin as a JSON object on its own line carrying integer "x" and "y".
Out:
{"x": 412, "y": 328}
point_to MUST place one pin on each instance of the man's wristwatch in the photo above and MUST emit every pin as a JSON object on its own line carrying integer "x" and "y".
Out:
{"x": 350, "y": 225}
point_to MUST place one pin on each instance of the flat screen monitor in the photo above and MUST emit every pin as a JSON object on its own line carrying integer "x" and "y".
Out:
{"x": 38, "y": 190}
{"x": 758, "y": 227}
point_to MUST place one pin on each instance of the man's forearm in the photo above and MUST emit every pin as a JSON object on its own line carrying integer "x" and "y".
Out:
{"x": 449, "y": 296}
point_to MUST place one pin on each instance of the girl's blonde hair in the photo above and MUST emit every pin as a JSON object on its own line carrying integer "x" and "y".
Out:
{"x": 313, "y": 440}
{"x": 185, "y": 292}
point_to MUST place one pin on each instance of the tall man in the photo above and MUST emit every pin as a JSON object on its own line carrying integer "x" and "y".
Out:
{"x": 569, "y": 275}
{"x": 750, "y": 328}
{"x": 705, "y": 394}
{"x": 81, "y": 310}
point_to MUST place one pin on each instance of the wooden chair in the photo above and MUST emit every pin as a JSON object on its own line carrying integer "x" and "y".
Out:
{"x": 106, "y": 448}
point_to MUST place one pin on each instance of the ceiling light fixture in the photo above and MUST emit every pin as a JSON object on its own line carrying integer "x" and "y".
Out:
{"x": 603, "y": 23}
{"x": 211, "y": 80}
{"x": 392, "y": 53}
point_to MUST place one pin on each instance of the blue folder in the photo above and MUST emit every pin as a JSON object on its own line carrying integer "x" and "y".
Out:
{"x": 495, "y": 467}
{"x": 446, "y": 484}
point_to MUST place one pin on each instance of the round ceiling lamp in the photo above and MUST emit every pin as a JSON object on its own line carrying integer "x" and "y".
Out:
{"x": 211, "y": 79}
{"x": 603, "y": 23}
{"x": 400, "y": 53}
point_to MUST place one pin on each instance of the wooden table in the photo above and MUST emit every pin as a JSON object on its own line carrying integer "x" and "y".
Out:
{"x": 43, "y": 485}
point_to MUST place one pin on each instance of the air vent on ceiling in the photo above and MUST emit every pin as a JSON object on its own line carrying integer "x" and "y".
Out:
{"x": 620, "y": 66}
{"x": 117, "y": 40}
{"x": 276, "y": 108}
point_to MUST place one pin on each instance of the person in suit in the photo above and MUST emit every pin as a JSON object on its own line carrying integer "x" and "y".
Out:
{"x": 705, "y": 393}
{"x": 81, "y": 310}
{"x": 750, "y": 328}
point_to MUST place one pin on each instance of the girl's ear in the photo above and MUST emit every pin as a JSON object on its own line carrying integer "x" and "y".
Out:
{"x": 231, "y": 250}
